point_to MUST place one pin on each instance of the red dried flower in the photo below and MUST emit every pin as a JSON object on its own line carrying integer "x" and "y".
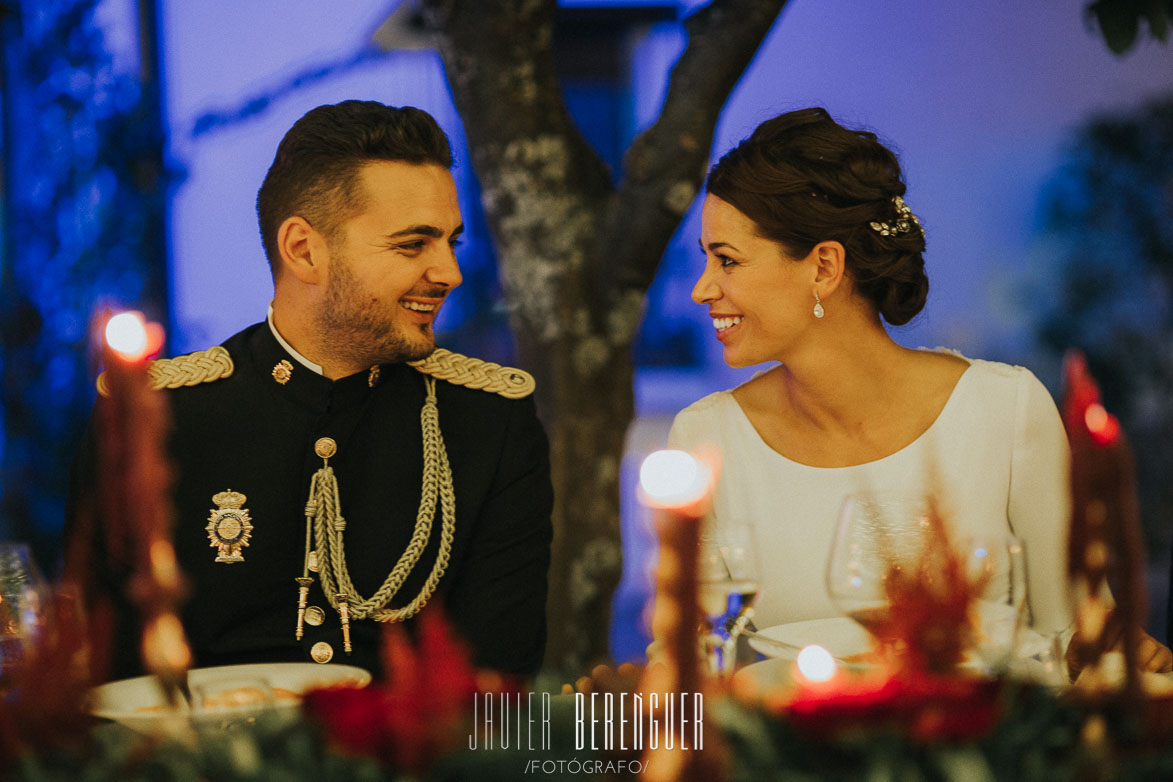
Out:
{"x": 419, "y": 713}
{"x": 929, "y": 623}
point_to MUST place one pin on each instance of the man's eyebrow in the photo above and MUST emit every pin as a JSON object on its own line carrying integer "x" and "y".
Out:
{"x": 426, "y": 230}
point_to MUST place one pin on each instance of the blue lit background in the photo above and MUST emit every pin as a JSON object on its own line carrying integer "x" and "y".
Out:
{"x": 980, "y": 99}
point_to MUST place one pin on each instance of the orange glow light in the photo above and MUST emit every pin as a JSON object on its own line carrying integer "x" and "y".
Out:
{"x": 126, "y": 334}
{"x": 1103, "y": 427}
{"x": 816, "y": 664}
{"x": 674, "y": 479}
{"x": 131, "y": 337}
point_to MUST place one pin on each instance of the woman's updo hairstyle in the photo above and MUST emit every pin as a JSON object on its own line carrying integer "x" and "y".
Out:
{"x": 804, "y": 179}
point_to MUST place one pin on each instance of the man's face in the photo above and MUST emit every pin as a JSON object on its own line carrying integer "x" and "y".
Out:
{"x": 391, "y": 265}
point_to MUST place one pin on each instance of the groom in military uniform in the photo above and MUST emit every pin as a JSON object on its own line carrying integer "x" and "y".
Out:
{"x": 335, "y": 470}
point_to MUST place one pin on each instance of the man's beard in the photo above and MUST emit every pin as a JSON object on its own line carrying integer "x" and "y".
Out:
{"x": 361, "y": 332}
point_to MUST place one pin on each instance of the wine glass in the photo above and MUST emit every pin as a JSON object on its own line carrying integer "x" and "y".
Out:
{"x": 23, "y": 595}
{"x": 728, "y": 586}
{"x": 876, "y": 536}
{"x": 967, "y": 593}
{"x": 996, "y": 566}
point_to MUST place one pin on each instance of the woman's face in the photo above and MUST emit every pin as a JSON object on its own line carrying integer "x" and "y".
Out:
{"x": 760, "y": 300}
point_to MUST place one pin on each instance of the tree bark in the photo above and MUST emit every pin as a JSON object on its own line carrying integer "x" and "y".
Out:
{"x": 577, "y": 254}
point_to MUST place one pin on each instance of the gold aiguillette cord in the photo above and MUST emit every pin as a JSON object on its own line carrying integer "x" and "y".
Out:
{"x": 303, "y": 583}
{"x": 324, "y": 519}
{"x": 344, "y": 612}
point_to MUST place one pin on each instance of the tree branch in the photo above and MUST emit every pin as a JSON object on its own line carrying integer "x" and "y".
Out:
{"x": 665, "y": 166}
{"x": 499, "y": 57}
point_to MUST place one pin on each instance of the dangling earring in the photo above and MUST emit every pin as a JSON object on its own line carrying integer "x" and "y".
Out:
{"x": 819, "y": 311}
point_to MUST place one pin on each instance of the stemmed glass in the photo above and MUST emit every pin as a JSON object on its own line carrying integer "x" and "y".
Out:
{"x": 23, "y": 595}
{"x": 728, "y": 586}
{"x": 997, "y": 564}
{"x": 873, "y": 536}
{"x": 979, "y": 579}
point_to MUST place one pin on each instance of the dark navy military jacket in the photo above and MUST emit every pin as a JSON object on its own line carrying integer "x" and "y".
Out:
{"x": 251, "y": 434}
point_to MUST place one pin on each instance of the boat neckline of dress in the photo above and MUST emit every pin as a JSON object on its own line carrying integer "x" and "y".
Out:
{"x": 907, "y": 446}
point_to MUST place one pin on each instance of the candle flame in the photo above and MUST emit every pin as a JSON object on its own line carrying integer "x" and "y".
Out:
{"x": 815, "y": 663}
{"x": 674, "y": 478}
{"x": 126, "y": 333}
{"x": 165, "y": 645}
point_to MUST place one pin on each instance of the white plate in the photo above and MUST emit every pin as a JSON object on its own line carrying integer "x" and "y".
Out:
{"x": 843, "y": 638}
{"x": 839, "y": 635}
{"x": 140, "y": 703}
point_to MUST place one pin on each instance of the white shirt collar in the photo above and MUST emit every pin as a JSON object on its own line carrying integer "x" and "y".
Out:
{"x": 299, "y": 358}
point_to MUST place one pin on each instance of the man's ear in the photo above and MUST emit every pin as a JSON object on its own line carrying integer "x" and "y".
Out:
{"x": 830, "y": 260}
{"x": 303, "y": 251}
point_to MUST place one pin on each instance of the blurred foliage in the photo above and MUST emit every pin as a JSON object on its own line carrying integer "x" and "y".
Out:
{"x": 1119, "y": 20}
{"x": 1108, "y": 214}
{"x": 86, "y": 192}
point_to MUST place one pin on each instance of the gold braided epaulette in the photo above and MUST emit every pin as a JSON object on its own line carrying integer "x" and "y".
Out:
{"x": 203, "y": 366}
{"x": 463, "y": 370}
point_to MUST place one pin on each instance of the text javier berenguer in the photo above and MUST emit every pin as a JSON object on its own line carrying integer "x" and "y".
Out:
{"x": 607, "y": 721}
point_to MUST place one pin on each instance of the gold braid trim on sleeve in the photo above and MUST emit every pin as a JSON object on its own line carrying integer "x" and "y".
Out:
{"x": 203, "y": 366}
{"x": 463, "y": 370}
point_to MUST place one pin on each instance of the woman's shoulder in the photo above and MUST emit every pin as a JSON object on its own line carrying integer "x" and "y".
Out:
{"x": 986, "y": 371}
{"x": 710, "y": 405}
{"x": 998, "y": 384}
{"x": 999, "y": 374}
{"x": 705, "y": 420}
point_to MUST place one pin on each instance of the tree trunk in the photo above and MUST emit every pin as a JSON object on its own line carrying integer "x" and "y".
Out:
{"x": 577, "y": 255}
{"x": 589, "y": 420}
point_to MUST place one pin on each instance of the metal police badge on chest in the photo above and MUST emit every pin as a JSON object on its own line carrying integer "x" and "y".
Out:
{"x": 229, "y": 527}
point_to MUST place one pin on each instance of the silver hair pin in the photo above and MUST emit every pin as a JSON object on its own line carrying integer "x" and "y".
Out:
{"x": 904, "y": 222}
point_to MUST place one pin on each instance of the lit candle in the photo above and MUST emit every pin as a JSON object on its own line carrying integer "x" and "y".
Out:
{"x": 1105, "y": 544}
{"x": 136, "y": 489}
{"x": 677, "y": 487}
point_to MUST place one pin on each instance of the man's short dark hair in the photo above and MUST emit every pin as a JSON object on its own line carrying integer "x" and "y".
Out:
{"x": 314, "y": 174}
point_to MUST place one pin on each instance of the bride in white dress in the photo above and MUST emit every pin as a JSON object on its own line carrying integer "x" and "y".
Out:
{"x": 808, "y": 247}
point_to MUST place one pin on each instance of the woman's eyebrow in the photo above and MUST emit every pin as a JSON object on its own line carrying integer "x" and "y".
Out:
{"x": 713, "y": 246}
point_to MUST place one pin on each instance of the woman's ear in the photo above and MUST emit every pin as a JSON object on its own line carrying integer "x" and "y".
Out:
{"x": 303, "y": 251}
{"x": 830, "y": 261}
